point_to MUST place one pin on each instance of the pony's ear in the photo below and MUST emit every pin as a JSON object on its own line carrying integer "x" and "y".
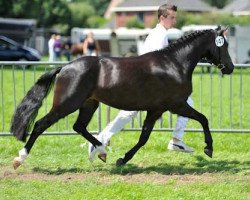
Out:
{"x": 221, "y": 31}
{"x": 218, "y": 28}
{"x": 225, "y": 30}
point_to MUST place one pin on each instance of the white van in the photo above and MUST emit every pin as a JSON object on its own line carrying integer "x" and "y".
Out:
{"x": 121, "y": 41}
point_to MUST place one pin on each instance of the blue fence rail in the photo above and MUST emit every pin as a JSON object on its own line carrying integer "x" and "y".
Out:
{"x": 225, "y": 100}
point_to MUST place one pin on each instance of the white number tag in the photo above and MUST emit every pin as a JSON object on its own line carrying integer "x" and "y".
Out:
{"x": 219, "y": 41}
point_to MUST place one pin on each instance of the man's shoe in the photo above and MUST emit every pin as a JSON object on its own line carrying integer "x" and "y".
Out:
{"x": 92, "y": 150}
{"x": 179, "y": 146}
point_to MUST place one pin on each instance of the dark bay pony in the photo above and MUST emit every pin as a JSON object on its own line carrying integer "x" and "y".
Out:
{"x": 154, "y": 82}
{"x": 76, "y": 49}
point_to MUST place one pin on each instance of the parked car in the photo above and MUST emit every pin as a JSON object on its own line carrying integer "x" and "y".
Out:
{"x": 13, "y": 51}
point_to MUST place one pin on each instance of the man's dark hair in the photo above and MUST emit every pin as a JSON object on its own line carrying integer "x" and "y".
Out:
{"x": 163, "y": 9}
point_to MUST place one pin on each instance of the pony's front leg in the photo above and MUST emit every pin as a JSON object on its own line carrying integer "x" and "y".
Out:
{"x": 185, "y": 110}
{"x": 85, "y": 114}
{"x": 146, "y": 130}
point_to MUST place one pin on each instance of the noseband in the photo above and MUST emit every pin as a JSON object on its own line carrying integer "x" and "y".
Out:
{"x": 220, "y": 65}
{"x": 219, "y": 42}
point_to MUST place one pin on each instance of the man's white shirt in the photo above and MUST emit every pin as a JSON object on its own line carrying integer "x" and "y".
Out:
{"x": 157, "y": 39}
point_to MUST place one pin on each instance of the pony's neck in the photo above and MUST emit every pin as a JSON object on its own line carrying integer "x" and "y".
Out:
{"x": 193, "y": 52}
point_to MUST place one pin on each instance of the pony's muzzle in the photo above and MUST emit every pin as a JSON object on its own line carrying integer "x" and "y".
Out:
{"x": 227, "y": 70}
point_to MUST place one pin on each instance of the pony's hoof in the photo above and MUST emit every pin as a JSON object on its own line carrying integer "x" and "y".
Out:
{"x": 208, "y": 152}
{"x": 16, "y": 163}
{"x": 120, "y": 162}
{"x": 102, "y": 156}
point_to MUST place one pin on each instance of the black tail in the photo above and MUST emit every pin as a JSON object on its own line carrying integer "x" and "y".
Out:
{"x": 27, "y": 110}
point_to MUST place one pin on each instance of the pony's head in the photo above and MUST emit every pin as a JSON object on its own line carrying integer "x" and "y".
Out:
{"x": 218, "y": 52}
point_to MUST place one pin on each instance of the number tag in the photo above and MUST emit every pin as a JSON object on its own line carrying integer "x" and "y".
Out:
{"x": 219, "y": 41}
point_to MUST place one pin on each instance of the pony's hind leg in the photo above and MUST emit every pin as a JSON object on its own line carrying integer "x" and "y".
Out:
{"x": 39, "y": 127}
{"x": 146, "y": 130}
{"x": 85, "y": 115}
{"x": 57, "y": 112}
{"x": 68, "y": 97}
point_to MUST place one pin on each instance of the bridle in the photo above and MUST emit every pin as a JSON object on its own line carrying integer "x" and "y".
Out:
{"x": 219, "y": 42}
{"x": 220, "y": 66}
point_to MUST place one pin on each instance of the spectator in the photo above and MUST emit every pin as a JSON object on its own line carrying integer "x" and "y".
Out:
{"x": 67, "y": 49}
{"x": 51, "y": 48}
{"x": 58, "y": 47}
{"x": 91, "y": 46}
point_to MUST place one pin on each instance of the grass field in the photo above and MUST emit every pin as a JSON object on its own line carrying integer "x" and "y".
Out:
{"x": 58, "y": 167}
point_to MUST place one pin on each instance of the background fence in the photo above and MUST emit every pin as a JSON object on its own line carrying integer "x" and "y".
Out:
{"x": 225, "y": 100}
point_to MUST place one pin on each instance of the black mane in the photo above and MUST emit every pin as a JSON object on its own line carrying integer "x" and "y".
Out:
{"x": 186, "y": 39}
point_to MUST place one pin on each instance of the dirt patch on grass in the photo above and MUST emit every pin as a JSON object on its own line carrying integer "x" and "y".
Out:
{"x": 152, "y": 178}
{"x": 162, "y": 179}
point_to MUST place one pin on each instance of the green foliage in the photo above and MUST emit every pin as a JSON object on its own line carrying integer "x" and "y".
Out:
{"x": 22, "y": 9}
{"x": 64, "y": 14}
{"x": 61, "y": 14}
{"x": 218, "y": 3}
{"x": 47, "y": 13}
{"x": 63, "y": 28}
{"x": 214, "y": 18}
{"x": 182, "y": 19}
{"x": 100, "y": 6}
{"x": 54, "y": 12}
{"x": 242, "y": 20}
{"x": 84, "y": 15}
{"x": 134, "y": 23}
{"x": 6, "y": 7}
{"x": 96, "y": 21}
{"x": 80, "y": 13}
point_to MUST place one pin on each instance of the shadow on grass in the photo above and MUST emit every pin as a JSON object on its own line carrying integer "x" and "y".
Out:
{"x": 201, "y": 166}
{"x": 59, "y": 171}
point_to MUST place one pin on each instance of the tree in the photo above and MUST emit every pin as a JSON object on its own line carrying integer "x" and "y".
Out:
{"x": 218, "y": 3}
{"x": 134, "y": 22}
{"x": 85, "y": 14}
{"x": 63, "y": 14}
{"x": 99, "y": 6}
{"x": 96, "y": 21}
{"x": 53, "y": 12}
{"x": 5, "y": 7}
{"x": 47, "y": 13}
{"x": 80, "y": 12}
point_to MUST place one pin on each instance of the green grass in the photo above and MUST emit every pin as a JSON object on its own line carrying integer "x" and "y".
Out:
{"x": 58, "y": 168}
{"x": 117, "y": 190}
